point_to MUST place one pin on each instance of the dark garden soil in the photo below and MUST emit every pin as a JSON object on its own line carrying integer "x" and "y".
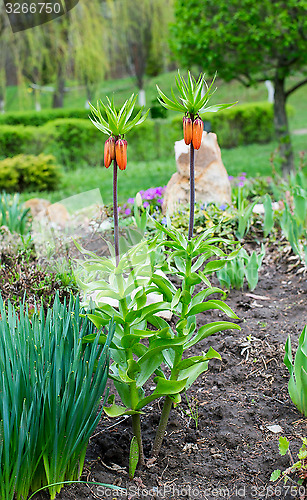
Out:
{"x": 234, "y": 449}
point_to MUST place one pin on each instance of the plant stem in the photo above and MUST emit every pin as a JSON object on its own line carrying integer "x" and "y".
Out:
{"x": 162, "y": 427}
{"x": 115, "y": 212}
{"x": 174, "y": 374}
{"x": 136, "y": 427}
{"x": 192, "y": 191}
{"x": 136, "y": 418}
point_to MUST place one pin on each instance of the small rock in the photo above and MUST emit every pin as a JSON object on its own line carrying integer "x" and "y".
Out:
{"x": 42, "y": 209}
{"x": 190, "y": 447}
{"x": 37, "y": 205}
{"x": 274, "y": 428}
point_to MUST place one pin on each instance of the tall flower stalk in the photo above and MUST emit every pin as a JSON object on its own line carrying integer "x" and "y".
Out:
{"x": 116, "y": 124}
{"x": 191, "y": 102}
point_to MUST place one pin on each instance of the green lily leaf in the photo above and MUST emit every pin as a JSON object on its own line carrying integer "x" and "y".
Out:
{"x": 133, "y": 457}
{"x": 117, "y": 411}
{"x": 147, "y": 367}
{"x": 164, "y": 388}
{"x": 209, "y": 329}
{"x": 186, "y": 363}
{"x": 192, "y": 373}
{"x": 213, "y": 304}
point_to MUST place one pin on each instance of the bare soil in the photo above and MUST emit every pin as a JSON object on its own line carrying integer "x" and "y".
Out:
{"x": 232, "y": 452}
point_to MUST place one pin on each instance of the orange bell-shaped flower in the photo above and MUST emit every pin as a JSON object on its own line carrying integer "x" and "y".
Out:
{"x": 198, "y": 127}
{"x": 112, "y": 147}
{"x": 107, "y": 156}
{"x": 187, "y": 130}
{"x": 121, "y": 153}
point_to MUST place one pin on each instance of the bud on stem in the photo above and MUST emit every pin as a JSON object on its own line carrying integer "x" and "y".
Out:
{"x": 112, "y": 147}
{"x": 107, "y": 156}
{"x": 121, "y": 153}
{"x": 187, "y": 129}
{"x": 198, "y": 128}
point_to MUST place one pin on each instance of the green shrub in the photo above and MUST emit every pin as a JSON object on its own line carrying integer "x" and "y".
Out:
{"x": 17, "y": 139}
{"x": 38, "y": 118}
{"x": 9, "y": 176}
{"x": 157, "y": 111}
{"x": 243, "y": 124}
{"x": 35, "y": 118}
{"x": 29, "y": 172}
{"x": 141, "y": 142}
{"x": 73, "y": 141}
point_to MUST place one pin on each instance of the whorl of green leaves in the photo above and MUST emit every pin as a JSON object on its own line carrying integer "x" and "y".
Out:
{"x": 297, "y": 386}
{"x": 117, "y": 123}
{"x": 191, "y": 100}
{"x": 50, "y": 390}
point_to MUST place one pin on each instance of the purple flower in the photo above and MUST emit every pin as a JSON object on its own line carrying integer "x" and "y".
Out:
{"x": 130, "y": 200}
{"x": 241, "y": 184}
{"x": 146, "y": 204}
{"x": 164, "y": 221}
{"x": 242, "y": 178}
{"x": 119, "y": 209}
{"x": 223, "y": 206}
{"x": 128, "y": 211}
{"x": 160, "y": 201}
{"x": 124, "y": 205}
{"x": 230, "y": 177}
{"x": 243, "y": 173}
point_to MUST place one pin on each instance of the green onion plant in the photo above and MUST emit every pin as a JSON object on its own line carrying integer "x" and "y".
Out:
{"x": 50, "y": 390}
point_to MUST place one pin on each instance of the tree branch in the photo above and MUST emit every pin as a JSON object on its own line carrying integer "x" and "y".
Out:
{"x": 246, "y": 83}
{"x": 295, "y": 87}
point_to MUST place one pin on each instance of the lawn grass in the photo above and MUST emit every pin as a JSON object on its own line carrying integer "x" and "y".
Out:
{"x": 253, "y": 159}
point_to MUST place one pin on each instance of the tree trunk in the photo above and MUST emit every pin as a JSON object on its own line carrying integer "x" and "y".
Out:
{"x": 37, "y": 97}
{"x": 282, "y": 127}
{"x": 58, "y": 96}
{"x": 2, "y": 80}
{"x": 142, "y": 98}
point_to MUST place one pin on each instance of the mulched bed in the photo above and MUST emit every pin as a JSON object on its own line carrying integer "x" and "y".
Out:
{"x": 232, "y": 453}
{"x": 21, "y": 279}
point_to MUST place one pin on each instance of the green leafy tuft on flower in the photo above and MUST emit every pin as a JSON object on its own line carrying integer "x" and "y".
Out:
{"x": 117, "y": 123}
{"x": 191, "y": 100}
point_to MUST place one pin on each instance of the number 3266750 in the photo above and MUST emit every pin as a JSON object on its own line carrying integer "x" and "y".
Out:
{"x": 33, "y": 8}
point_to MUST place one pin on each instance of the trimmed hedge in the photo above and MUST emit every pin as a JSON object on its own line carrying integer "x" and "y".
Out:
{"x": 73, "y": 142}
{"x": 38, "y": 118}
{"x": 18, "y": 139}
{"x": 243, "y": 124}
{"x": 76, "y": 142}
{"x": 29, "y": 173}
